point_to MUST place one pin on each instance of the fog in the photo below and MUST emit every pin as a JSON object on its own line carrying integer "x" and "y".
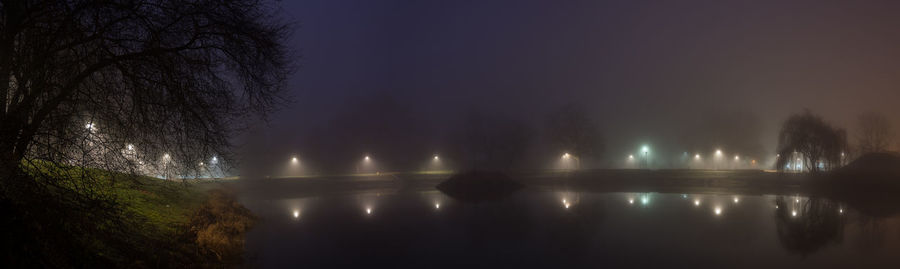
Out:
{"x": 401, "y": 81}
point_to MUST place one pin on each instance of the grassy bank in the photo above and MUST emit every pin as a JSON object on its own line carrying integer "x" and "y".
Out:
{"x": 98, "y": 218}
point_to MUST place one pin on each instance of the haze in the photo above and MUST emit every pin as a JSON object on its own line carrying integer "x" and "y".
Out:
{"x": 647, "y": 72}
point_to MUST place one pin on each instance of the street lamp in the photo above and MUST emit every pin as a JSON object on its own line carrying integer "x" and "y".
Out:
{"x": 646, "y": 151}
{"x": 567, "y": 156}
{"x": 718, "y": 158}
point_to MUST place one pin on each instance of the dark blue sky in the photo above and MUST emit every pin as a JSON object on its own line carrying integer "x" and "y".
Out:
{"x": 644, "y": 69}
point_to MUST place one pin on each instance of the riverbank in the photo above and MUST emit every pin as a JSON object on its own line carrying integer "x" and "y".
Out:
{"x": 116, "y": 220}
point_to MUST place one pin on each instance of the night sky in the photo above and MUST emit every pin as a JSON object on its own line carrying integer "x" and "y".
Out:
{"x": 647, "y": 71}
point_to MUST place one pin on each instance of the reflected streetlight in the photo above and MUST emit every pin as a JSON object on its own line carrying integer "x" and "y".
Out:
{"x": 368, "y": 211}
{"x": 437, "y": 206}
{"x": 296, "y": 214}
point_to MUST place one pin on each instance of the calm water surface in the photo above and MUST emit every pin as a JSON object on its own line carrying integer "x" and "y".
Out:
{"x": 565, "y": 229}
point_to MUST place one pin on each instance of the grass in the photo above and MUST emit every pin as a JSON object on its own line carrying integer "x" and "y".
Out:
{"x": 164, "y": 204}
{"x": 153, "y": 221}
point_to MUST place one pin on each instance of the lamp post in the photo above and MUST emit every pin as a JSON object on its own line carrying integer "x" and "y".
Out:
{"x": 646, "y": 151}
{"x": 718, "y": 158}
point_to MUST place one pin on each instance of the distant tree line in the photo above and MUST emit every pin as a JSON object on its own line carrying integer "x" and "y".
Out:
{"x": 808, "y": 141}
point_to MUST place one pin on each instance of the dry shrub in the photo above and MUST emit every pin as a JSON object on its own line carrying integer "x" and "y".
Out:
{"x": 220, "y": 225}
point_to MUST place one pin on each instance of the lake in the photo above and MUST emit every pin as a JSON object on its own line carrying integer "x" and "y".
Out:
{"x": 361, "y": 222}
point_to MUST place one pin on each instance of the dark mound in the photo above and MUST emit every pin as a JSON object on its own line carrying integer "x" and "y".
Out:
{"x": 880, "y": 165}
{"x": 478, "y": 186}
{"x": 869, "y": 184}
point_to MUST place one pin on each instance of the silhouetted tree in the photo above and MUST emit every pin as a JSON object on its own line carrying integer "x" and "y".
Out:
{"x": 875, "y": 133}
{"x": 140, "y": 87}
{"x": 571, "y": 130}
{"x": 83, "y": 81}
{"x": 807, "y": 137}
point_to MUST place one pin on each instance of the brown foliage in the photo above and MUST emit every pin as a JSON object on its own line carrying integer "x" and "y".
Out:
{"x": 219, "y": 227}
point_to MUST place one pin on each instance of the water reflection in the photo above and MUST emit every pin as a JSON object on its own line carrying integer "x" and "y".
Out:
{"x": 555, "y": 229}
{"x": 812, "y": 224}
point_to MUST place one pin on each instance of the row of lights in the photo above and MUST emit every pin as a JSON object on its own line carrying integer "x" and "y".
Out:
{"x": 644, "y": 201}
{"x": 166, "y": 157}
{"x": 365, "y": 158}
{"x": 368, "y": 209}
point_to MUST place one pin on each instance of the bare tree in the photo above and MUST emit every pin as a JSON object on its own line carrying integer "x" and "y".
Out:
{"x": 138, "y": 87}
{"x": 814, "y": 142}
{"x": 83, "y": 81}
{"x": 572, "y": 131}
{"x": 874, "y": 134}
